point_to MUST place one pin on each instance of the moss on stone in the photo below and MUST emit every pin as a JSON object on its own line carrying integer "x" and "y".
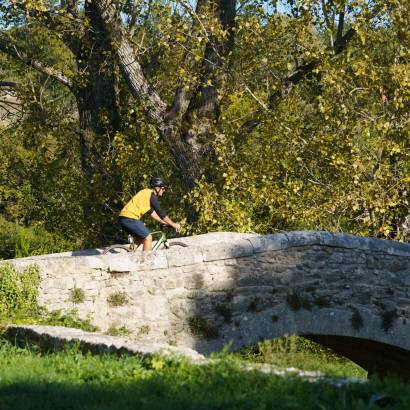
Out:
{"x": 356, "y": 320}
{"x": 388, "y": 318}
{"x": 225, "y": 312}
{"x": 255, "y": 305}
{"x": 296, "y": 301}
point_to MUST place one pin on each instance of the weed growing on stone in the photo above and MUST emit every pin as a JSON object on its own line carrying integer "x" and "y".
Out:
{"x": 322, "y": 302}
{"x": 66, "y": 319}
{"x": 144, "y": 330}
{"x": 201, "y": 327}
{"x": 118, "y": 299}
{"x": 18, "y": 291}
{"x": 255, "y": 306}
{"x": 118, "y": 331}
{"x": 77, "y": 295}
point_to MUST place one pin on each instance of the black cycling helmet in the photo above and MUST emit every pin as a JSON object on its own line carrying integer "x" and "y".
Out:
{"x": 157, "y": 182}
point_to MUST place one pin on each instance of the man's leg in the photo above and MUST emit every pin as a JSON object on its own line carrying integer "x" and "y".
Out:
{"x": 147, "y": 243}
{"x": 138, "y": 230}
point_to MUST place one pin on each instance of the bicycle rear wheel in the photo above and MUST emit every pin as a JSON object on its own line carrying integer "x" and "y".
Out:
{"x": 116, "y": 249}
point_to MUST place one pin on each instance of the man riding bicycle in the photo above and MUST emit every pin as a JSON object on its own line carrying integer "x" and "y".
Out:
{"x": 145, "y": 202}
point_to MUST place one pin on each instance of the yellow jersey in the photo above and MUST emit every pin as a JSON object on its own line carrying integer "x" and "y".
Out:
{"x": 138, "y": 206}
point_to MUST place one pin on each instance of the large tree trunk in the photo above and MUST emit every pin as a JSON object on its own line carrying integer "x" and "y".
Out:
{"x": 187, "y": 143}
{"x": 96, "y": 94}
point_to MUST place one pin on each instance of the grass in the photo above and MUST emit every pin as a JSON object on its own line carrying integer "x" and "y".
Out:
{"x": 298, "y": 352}
{"x": 71, "y": 380}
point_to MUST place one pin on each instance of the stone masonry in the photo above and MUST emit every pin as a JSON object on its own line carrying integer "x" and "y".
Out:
{"x": 346, "y": 292}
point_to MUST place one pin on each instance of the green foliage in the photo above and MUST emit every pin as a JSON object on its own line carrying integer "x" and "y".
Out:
{"x": 17, "y": 241}
{"x": 59, "y": 318}
{"x": 18, "y": 301}
{"x": 18, "y": 291}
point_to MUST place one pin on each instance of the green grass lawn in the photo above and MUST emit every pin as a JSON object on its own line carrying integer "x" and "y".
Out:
{"x": 71, "y": 380}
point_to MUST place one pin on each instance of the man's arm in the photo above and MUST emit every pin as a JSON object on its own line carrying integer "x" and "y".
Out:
{"x": 166, "y": 221}
{"x": 161, "y": 214}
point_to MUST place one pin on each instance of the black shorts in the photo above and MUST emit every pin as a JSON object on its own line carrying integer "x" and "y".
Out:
{"x": 134, "y": 227}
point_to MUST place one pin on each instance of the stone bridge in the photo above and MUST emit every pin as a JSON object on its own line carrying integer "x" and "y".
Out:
{"x": 349, "y": 293}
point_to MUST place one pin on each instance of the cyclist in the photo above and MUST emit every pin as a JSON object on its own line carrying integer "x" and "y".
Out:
{"x": 145, "y": 202}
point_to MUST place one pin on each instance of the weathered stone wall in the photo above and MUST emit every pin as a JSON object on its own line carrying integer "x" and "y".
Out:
{"x": 347, "y": 292}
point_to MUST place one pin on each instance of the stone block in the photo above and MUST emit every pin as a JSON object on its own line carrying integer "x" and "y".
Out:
{"x": 94, "y": 262}
{"x": 221, "y": 285}
{"x": 178, "y": 256}
{"x": 269, "y": 242}
{"x": 219, "y": 251}
{"x": 135, "y": 261}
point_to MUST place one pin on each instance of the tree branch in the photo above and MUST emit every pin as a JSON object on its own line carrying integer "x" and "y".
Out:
{"x": 153, "y": 105}
{"x": 340, "y": 26}
{"x": 21, "y": 55}
{"x": 181, "y": 98}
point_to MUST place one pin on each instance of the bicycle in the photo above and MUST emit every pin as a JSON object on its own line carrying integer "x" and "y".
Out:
{"x": 161, "y": 243}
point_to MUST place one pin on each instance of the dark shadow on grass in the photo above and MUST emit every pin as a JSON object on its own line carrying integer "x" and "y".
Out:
{"x": 234, "y": 390}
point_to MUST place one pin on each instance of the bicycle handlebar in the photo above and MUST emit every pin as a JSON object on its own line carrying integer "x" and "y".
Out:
{"x": 165, "y": 227}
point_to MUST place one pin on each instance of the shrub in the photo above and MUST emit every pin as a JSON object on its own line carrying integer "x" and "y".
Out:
{"x": 18, "y": 242}
{"x": 18, "y": 291}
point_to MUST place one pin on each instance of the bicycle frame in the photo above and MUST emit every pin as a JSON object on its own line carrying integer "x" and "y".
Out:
{"x": 161, "y": 240}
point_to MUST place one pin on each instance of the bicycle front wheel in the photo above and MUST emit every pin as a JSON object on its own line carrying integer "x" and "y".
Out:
{"x": 116, "y": 249}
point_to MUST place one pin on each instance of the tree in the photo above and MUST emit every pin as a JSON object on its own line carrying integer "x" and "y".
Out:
{"x": 208, "y": 84}
{"x": 86, "y": 69}
{"x": 187, "y": 123}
